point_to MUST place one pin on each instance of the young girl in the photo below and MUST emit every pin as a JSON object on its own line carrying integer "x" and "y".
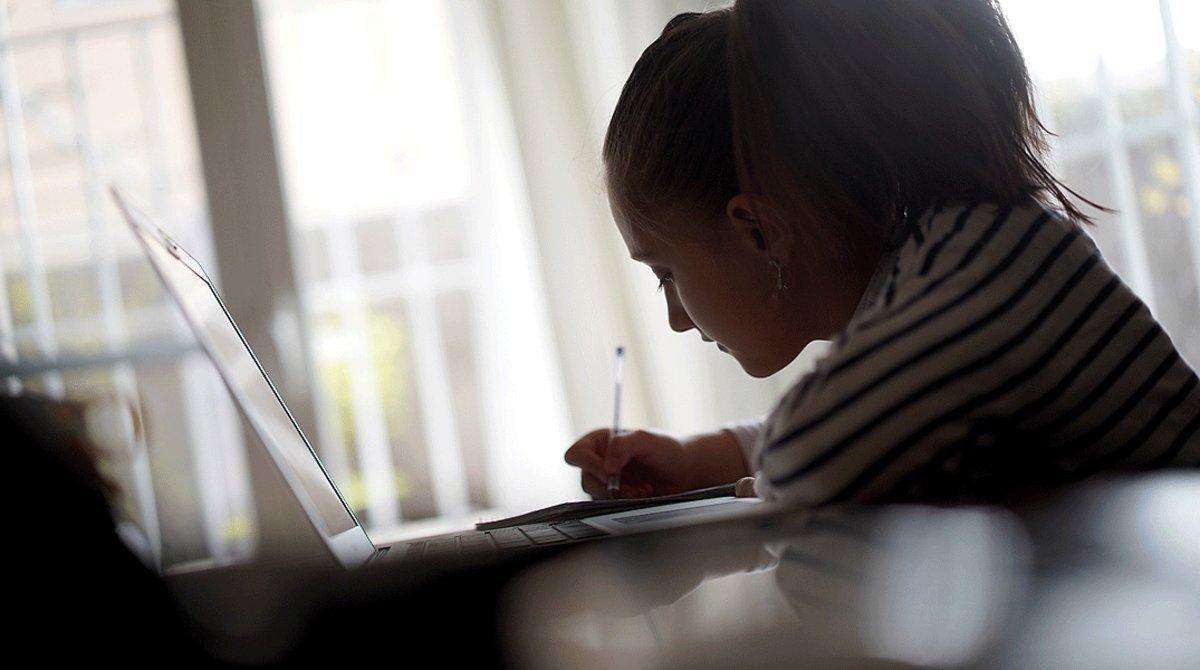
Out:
{"x": 870, "y": 172}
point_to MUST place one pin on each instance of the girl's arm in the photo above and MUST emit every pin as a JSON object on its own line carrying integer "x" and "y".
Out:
{"x": 746, "y": 435}
{"x": 651, "y": 463}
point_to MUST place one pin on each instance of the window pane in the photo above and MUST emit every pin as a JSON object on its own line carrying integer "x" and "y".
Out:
{"x": 383, "y": 120}
{"x": 369, "y": 170}
{"x": 392, "y": 342}
{"x": 314, "y": 256}
{"x": 377, "y": 247}
{"x": 458, "y": 328}
{"x": 447, "y": 233}
{"x": 1124, "y": 137}
{"x": 96, "y": 92}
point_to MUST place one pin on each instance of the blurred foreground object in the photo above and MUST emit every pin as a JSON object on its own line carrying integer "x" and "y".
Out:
{"x": 1105, "y": 575}
{"x": 83, "y": 594}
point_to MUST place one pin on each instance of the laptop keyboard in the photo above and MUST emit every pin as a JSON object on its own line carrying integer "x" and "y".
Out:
{"x": 503, "y": 539}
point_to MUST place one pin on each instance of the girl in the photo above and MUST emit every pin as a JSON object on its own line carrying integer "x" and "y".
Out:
{"x": 870, "y": 172}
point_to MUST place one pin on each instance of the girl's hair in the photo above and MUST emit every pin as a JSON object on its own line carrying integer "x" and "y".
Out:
{"x": 857, "y": 113}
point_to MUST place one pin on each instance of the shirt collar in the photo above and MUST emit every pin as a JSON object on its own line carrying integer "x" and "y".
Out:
{"x": 878, "y": 280}
{"x": 896, "y": 239}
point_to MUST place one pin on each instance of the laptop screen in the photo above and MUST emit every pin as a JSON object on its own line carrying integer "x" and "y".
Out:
{"x": 254, "y": 393}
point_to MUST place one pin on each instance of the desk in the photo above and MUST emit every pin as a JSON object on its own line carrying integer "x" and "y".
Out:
{"x": 1104, "y": 575}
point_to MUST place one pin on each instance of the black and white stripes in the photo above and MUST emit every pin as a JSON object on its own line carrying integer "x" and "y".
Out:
{"x": 1001, "y": 340}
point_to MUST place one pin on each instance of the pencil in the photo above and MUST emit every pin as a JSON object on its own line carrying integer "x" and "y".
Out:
{"x": 614, "y": 480}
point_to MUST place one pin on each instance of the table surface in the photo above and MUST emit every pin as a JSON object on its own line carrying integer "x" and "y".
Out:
{"x": 1102, "y": 575}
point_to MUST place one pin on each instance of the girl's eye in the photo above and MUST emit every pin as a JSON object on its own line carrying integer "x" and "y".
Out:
{"x": 664, "y": 280}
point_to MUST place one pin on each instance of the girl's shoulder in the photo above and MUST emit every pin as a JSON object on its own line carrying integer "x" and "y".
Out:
{"x": 963, "y": 232}
{"x": 959, "y": 244}
{"x": 974, "y": 255}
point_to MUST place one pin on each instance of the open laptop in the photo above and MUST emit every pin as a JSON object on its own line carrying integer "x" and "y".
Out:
{"x": 307, "y": 478}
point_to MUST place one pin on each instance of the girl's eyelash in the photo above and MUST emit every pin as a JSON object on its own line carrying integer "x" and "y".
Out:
{"x": 663, "y": 281}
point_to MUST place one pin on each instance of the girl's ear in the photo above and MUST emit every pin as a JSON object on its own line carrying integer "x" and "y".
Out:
{"x": 756, "y": 222}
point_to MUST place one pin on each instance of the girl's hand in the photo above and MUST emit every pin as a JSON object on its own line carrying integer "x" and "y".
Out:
{"x": 654, "y": 464}
{"x": 650, "y": 463}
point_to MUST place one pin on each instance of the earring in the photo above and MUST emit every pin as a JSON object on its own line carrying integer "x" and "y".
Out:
{"x": 780, "y": 284}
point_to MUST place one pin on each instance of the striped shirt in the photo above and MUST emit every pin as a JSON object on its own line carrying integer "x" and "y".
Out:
{"x": 996, "y": 352}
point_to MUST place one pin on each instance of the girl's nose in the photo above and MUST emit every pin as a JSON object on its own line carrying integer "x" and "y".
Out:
{"x": 677, "y": 316}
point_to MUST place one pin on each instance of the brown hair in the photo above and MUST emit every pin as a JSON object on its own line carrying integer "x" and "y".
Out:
{"x": 859, "y": 112}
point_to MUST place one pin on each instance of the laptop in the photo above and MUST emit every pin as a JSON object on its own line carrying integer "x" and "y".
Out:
{"x": 324, "y": 506}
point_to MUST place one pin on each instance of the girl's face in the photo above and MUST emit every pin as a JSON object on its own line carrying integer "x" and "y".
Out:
{"x": 726, "y": 287}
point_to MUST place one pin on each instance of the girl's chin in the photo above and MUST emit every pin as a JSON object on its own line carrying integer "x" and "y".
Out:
{"x": 759, "y": 368}
{"x": 753, "y": 368}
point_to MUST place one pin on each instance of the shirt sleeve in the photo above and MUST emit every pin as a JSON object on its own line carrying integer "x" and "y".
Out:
{"x": 747, "y": 433}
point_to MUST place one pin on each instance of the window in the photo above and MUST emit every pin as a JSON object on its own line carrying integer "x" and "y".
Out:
{"x": 1121, "y": 90}
{"x": 399, "y": 183}
{"x": 93, "y": 93}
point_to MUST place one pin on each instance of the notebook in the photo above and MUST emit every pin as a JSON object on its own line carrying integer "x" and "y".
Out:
{"x": 586, "y": 508}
